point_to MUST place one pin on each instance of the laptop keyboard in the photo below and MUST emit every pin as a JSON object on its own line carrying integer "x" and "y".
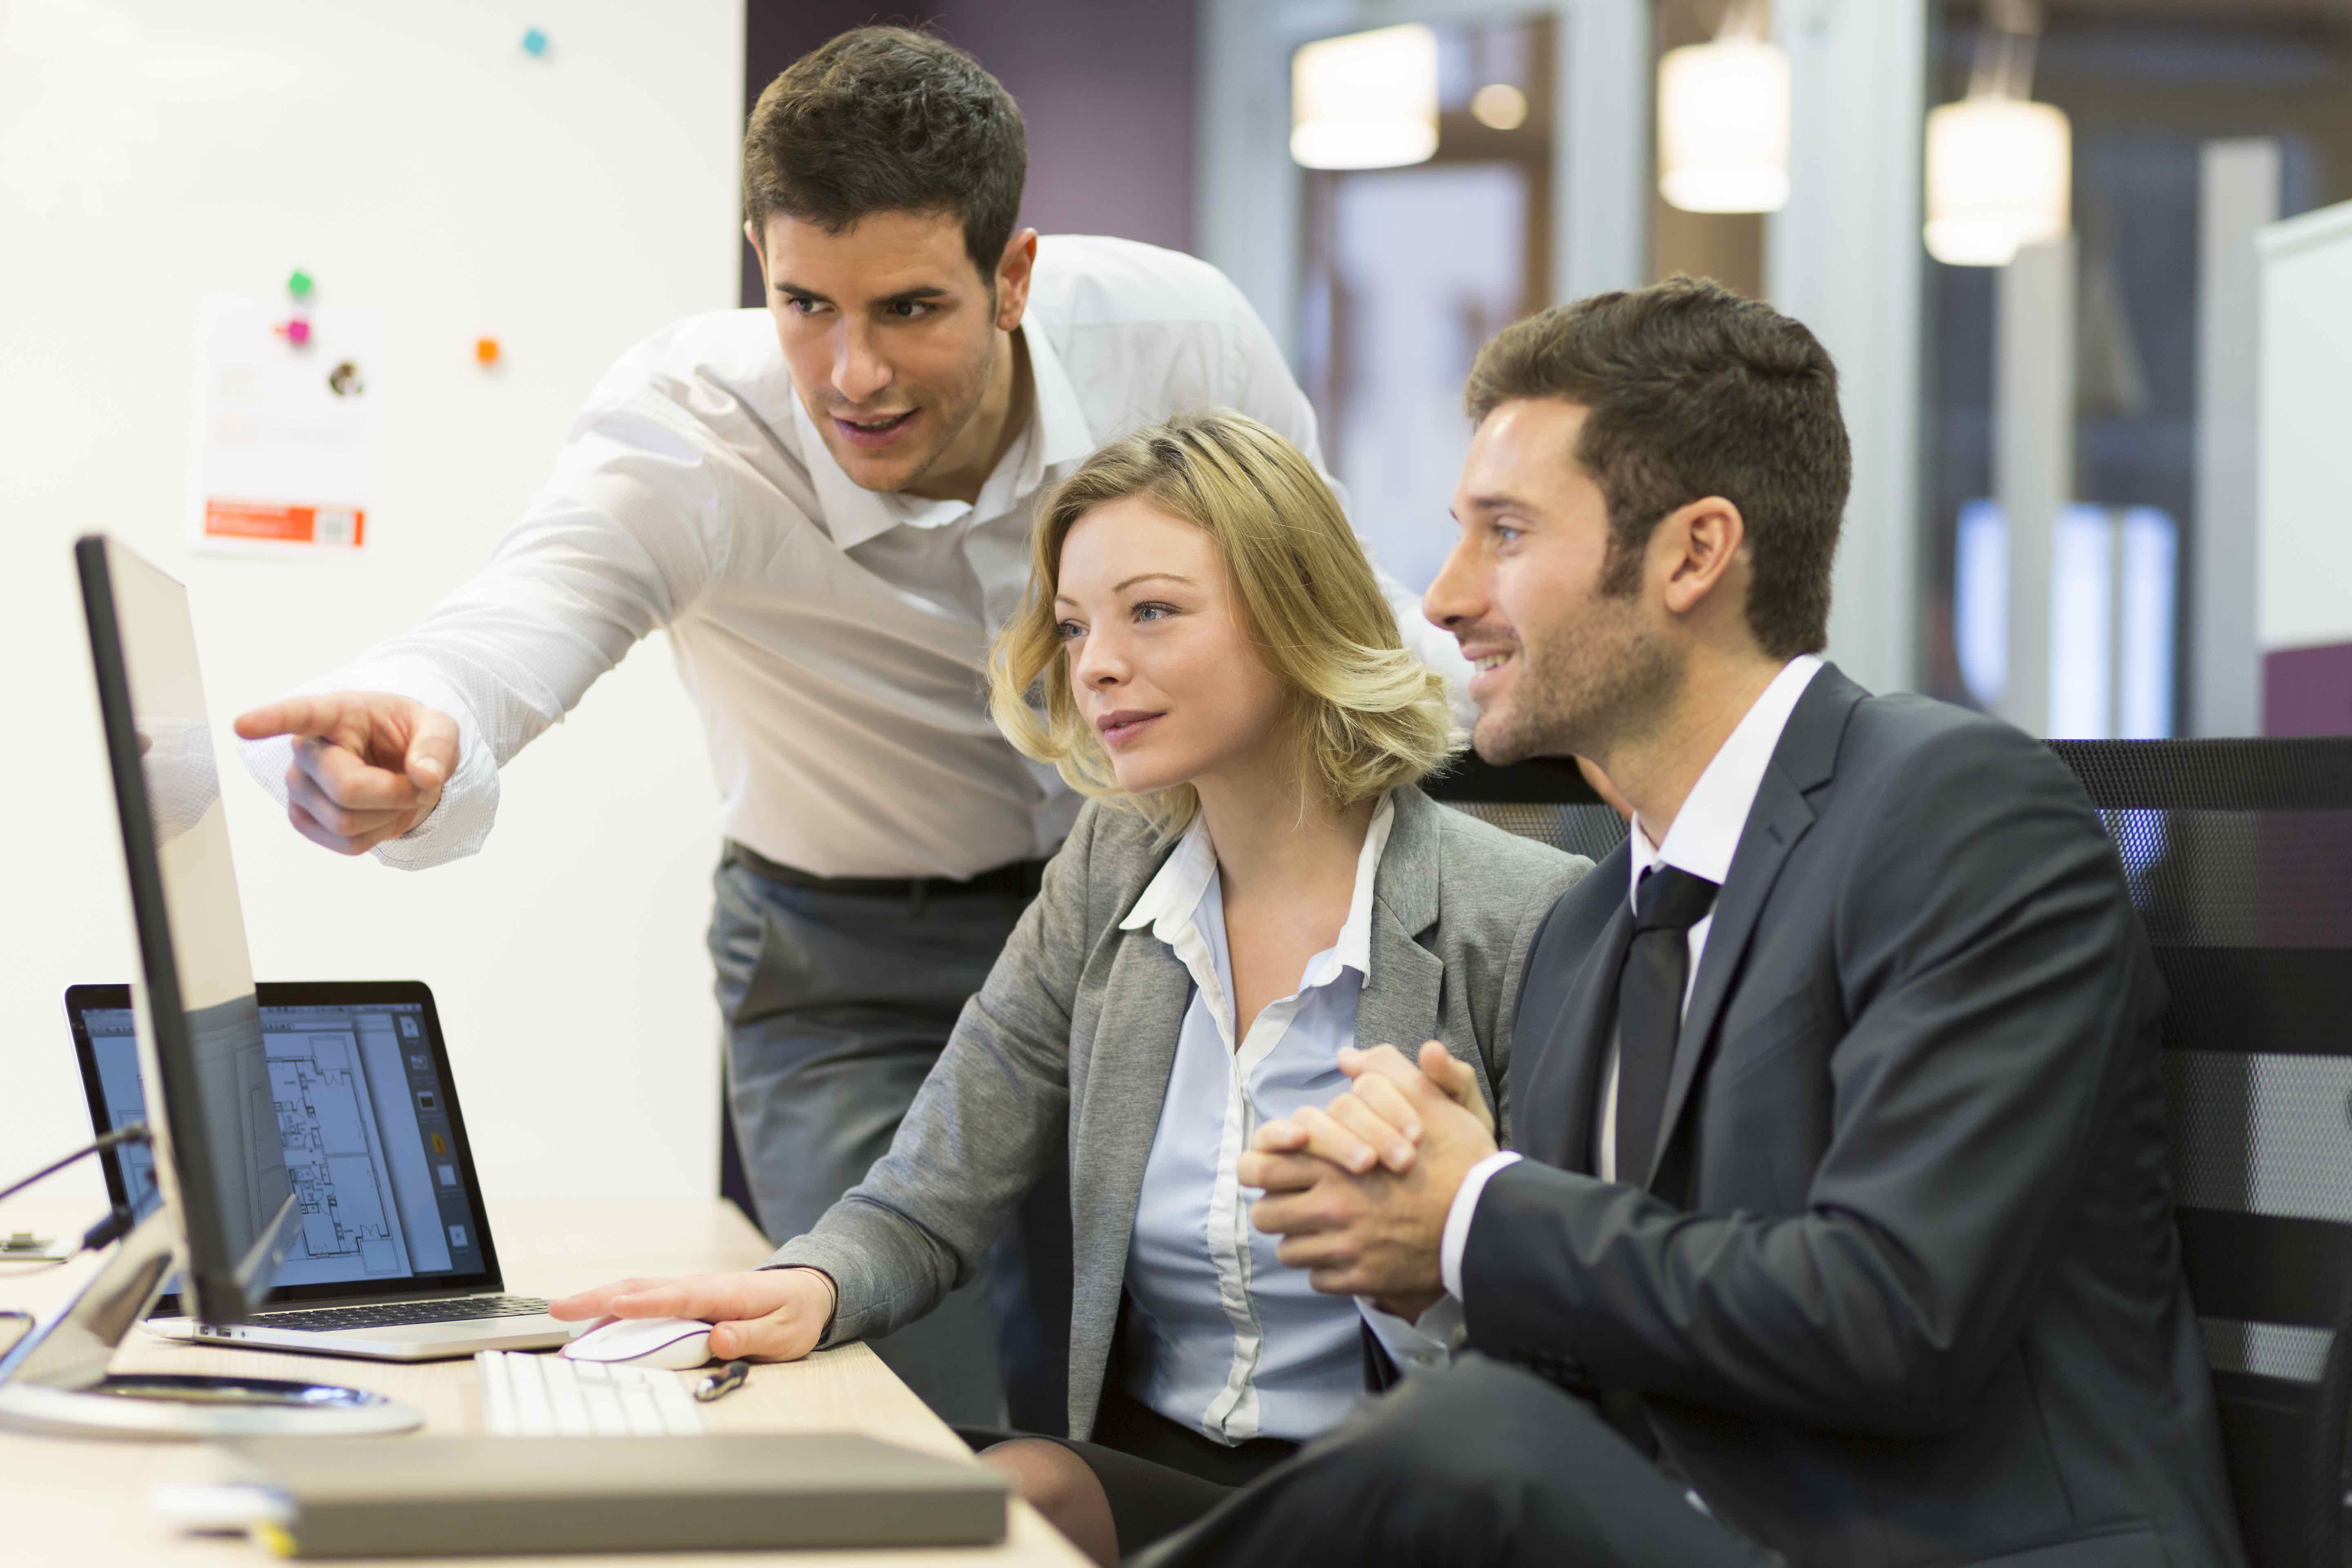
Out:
{"x": 392, "y": 1314}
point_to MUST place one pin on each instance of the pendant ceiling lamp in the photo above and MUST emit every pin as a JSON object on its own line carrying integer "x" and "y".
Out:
{"x": 1723, "y": 119}
{"x": 2000, "y": 167}
{"x": 1365, "y": 100}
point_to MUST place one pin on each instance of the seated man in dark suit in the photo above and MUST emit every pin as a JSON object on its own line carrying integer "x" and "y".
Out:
{"x": 1838, "y": 1231}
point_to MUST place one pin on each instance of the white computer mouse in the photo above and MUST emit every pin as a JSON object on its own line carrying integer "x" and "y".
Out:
{"x": 673, "y": 1345}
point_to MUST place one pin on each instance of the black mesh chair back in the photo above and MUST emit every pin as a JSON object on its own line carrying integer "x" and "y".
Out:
{"x": 2239, "y": 854}
{"x": 1542, "y": 798}
{"x": 2239, "y": 858}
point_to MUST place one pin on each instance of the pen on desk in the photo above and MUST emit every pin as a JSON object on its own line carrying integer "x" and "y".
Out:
{"x": 724, "y": 1381}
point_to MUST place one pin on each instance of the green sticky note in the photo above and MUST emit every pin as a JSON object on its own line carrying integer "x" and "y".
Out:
{"x": 298, "y": 283}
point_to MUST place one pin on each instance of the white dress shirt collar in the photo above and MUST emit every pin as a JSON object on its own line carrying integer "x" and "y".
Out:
{"x": 1704, "y": 840}
{"x": 1057, "y": 433}
{"x": 1705, "y": 832}
{"x": 1168, "y": 900}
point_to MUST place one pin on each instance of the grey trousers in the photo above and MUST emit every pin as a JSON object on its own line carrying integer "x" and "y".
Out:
{"x": 836, "y": 1005}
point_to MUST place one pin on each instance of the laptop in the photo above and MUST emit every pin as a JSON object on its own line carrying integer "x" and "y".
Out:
{"x": 395, "y": 1260}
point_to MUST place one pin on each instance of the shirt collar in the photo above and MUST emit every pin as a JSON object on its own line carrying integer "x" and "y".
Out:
{"x": 1064, "y": 437}
{"x": 1168, "y": 900}
{"x": 1058, "y": 434}
{"x": 1172, "y": 899}
{"x": 1706, "y": 833}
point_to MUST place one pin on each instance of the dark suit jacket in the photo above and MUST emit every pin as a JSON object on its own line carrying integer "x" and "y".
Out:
{"x": 1904, "y": 1287}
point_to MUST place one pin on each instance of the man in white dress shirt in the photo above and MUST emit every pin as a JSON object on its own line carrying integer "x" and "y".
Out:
{"x": 826, "y": 505}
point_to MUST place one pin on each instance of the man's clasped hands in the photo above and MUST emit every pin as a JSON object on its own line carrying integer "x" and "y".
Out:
{"x": 1359, "y": 1190}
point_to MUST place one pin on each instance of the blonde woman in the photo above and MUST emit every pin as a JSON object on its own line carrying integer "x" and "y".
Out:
{"x": 1255, "y": 890}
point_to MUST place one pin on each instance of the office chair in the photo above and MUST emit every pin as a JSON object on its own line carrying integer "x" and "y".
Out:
{"x": 2239, "y": 853}
{"x": 2239, "y": 858}
{"x": 1543, "y": 798}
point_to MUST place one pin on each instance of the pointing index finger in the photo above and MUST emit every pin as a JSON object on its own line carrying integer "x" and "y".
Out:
{"x": 290, "y": 716}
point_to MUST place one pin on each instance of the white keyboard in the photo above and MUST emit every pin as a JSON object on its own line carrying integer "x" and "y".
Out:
{"x": 526, "y": 1395}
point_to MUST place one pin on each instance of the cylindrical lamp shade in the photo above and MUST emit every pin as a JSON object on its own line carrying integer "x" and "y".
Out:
{"x": 1723, "y": 127}
{"x": 1366, "y": 101}
{"x": 1999, "y": 175}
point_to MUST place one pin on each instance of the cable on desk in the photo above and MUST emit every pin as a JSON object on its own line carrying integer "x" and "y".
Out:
{"x": 132, "y": 1133}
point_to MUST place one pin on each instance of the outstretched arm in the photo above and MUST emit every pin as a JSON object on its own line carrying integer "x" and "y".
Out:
{"x": 399, "y": 752}
{"x": 968, "y": 1151}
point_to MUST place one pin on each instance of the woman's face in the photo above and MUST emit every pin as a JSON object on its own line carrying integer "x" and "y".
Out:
{"x": 1160, "y": 662}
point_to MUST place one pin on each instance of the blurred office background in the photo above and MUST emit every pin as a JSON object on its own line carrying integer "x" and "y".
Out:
{"x": 2086, "y": 267}
{"x": 2059, "y": 507}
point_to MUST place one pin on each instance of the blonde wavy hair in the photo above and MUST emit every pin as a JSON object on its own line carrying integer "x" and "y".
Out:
{"x": 1366, "y": 714}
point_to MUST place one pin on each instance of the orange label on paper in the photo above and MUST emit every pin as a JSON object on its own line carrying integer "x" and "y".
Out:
{"x": 340, "y": 526}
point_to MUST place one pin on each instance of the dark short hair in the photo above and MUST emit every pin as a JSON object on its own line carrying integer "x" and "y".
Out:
{"x": 888, "y": 120}
{"x": 1692, "y": 391}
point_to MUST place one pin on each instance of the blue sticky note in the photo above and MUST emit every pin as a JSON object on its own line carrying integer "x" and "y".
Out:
{"x": 534, "y": 43}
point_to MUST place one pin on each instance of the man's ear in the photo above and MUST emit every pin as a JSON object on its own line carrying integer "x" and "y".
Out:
{"x": 1013, "y": 271}
{"x": 752, "y": 233}
{"x": 1700, "y": 541}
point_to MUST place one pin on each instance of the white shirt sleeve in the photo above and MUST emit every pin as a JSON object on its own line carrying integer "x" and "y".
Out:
{"x": 1425, "y": 1343}
{"x": 1456, "y": 1234}
{"x": 626, "y": 534}
{"x": 1264, "y": 388}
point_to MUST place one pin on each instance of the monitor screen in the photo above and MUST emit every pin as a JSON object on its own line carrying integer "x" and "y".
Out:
{"x": 382, "y": 1173}
{"x": 220, "y": 1161}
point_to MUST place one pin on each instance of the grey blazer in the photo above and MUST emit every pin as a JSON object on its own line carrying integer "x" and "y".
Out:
{"x": 1073, "y": 1038}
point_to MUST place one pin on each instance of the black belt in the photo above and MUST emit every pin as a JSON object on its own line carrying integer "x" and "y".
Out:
{"x": 1020, "y": 878}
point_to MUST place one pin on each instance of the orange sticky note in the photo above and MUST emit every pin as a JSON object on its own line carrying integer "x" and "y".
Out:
{"x": 486, "y": 350}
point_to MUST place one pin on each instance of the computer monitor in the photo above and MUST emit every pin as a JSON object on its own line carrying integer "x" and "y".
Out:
{"x": 219, "y": 1159}
{"x": 228, "y": 1213}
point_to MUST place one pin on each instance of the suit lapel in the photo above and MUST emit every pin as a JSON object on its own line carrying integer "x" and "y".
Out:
{"x": 1398, "y": 1005}
{"x": 1129, "y": 1058}
{"x": 1567, "y": 1004}
{"x": 1580, "y": 1039}
{"x": 1804, "y": 759}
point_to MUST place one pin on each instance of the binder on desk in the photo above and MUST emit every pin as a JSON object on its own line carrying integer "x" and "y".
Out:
{"x": 426, "y": 1497}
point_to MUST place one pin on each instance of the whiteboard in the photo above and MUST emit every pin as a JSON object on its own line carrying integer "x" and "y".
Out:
{"x": 2302, "y": 571}
{"x": 414, "y": 160}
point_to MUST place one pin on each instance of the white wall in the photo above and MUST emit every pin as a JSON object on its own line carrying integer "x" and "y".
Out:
{"x": 2303, "y": 574}
{"x": 1843, "y": 257}
{"x": 412, "y": 158}
{"x": 2238, "y": 193}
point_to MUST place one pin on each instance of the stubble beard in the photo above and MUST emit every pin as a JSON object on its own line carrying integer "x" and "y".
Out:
{"x": 953, "y": 412}
{"x": 1600, "y": 679}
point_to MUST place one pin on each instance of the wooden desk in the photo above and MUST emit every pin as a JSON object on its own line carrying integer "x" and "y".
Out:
{"x": 82, "y": 1503}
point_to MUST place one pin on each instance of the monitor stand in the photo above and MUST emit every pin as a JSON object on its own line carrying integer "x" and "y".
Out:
{"x": 55, "y": 1380}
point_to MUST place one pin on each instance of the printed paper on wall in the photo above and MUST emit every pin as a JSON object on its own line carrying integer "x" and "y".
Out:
{"x": 288, "y": 434}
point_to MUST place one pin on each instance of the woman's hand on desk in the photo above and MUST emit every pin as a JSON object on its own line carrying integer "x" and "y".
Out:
{"x": 768, "y": 1314}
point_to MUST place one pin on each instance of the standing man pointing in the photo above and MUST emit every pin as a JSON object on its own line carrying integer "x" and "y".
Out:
{"x": 827, "y": 506}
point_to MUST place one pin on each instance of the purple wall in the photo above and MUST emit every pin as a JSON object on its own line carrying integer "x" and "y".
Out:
{"x": 1105, "y": 87}
{"x": 2309, "y": 690}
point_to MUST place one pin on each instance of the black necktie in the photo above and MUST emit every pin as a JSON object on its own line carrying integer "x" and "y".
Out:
{"x": 1668, "y": 902}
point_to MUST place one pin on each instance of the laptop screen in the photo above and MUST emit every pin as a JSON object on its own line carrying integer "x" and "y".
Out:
{"x": 374, "y": 1143}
